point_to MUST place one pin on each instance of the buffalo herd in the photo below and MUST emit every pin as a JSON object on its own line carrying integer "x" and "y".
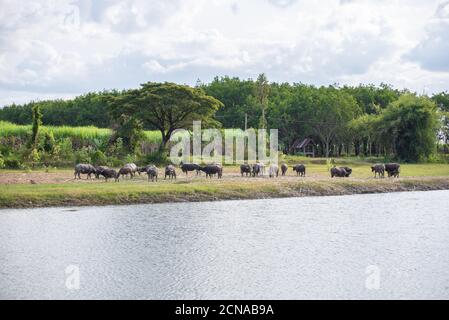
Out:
{"x": 252, "y": 170}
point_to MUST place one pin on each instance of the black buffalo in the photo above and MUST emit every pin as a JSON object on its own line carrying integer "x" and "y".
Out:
{"x": 300, "y": 170}
{"x": 245, "y": 169}
{"x": 393, "y": 169}
{"x": 379, "y": 170}
{"x": 83, "y": 168}
{"x": 341, "y": 172}
{"x": 284, "y": 169}
{"x": 258, "y": 168}
{"x": 99, "y": 170}
{"x": 186, "y": 167}
{"x": 213, "y": 169}
{"x": 170, "y": 172}
{"x": 108, "y": 173}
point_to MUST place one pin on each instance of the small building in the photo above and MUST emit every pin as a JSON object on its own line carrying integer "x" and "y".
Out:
{"x": 305, "y": 146}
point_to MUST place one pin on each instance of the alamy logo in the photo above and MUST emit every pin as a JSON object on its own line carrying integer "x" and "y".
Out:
{"x": 237, "y": 147}
{"x": 372, "y": 281}
{"x": 72, "y": 281}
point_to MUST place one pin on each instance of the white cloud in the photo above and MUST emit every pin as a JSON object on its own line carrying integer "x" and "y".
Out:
{"x": 70, "y": 47}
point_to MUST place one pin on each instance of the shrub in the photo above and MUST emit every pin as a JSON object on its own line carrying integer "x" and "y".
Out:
{"x": 2, "y": 162}
{"x": 99, "y": 158}
{"x": 157, "y": 158}
{"x": 82, "y": 156}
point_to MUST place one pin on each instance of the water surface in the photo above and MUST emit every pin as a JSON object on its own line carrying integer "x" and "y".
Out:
{"x": 295, "y": 248}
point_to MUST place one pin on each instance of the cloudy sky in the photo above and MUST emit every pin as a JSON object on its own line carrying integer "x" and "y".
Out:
{"x": 63, "y": 48}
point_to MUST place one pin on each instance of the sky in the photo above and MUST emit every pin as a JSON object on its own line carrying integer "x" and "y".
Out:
{"x": 60, "y": 49}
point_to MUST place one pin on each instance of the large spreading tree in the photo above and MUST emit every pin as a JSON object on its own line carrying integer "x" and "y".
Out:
{"x": 166, "y": 107}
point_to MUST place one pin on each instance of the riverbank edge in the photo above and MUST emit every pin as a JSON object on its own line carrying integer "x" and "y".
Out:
{"x": 217, "y": 192}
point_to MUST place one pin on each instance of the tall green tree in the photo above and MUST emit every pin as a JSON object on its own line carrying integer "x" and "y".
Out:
{"x": 37, "y": 122}
{"x": 411, "y": 124}
{"x": 166, "y": 107}
{"x": 262, "y": 90}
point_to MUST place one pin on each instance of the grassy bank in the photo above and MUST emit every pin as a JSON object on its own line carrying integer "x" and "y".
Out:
{"x": 56, "y": 187}
{"x": 130, "y": 192}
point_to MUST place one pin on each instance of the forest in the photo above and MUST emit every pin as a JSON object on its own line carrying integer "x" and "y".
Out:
{"x": 344, "y": 121}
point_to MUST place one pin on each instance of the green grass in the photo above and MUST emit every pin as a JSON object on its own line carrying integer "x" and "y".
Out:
{"x": 318, "y": 182}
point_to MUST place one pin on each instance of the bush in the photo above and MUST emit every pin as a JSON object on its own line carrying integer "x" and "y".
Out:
{"x": 157, "y": 158}
{"x": 99, "y": 158}
{"x": 13, "y": 162}
{"x": 82, "y": 156}
{"x": 2, "y": 162}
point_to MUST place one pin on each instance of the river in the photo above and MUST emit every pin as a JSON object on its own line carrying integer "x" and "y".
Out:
{"x": 380, "y": 246}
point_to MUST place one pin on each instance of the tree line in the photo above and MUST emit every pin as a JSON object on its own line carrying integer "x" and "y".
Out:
{"x": 364, "y": 120}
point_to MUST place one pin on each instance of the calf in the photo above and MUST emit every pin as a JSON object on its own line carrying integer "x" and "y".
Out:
{"x": 83, "y": 168}
{"x": 348, "y": 171}
{"x": 300, "y": 170}
{"x": 379, "y": 170}
{"x": 170, "y": 172}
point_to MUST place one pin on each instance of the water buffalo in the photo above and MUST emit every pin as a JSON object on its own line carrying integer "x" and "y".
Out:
{"x": 284, "y": 169}
{"x": 245, "y": 169}
{"x": 186, "y": 167}
{"x": 144, "y": 169}
{"x": 213, "y": 169}
{"x": 152, "y": 173}
{"x": 132, "y": 167}
{"x": 300, "y": 170}
{"x": 83, "y": 168}
{"x": 348, "y": 171}
{"x": 124, "y": 172}
{"x": 108, "y": 173}
{"x": 339, "y": 172}
{"x": 393, "y": 169}
{"x": 170, "y": 171}
{"x": 99, "y": 170}
{"x": 258, "y": 169}
{"x": 273, "y": 170}
{"x": 379, "y": 170}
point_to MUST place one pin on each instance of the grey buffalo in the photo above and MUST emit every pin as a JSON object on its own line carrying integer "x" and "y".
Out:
{"x": 83, "y": 168}
{"x": 379, "y": 170}
{"x": 348, "y": 171}
{"x": 284, "y": 169}
{"x": 152, "y": 173}
{"x": 213, "y": 169}
{"x": 300, "y": 170}
{"x": 273, "y": 171}
{"x": 170, "y": 172}
{"x": 186, "y": 167}
{"x": 126, "y": 170}
{"x": 393, "y": 169}
{"x": 99, "y": 170}
{"x": 245, "y": 169}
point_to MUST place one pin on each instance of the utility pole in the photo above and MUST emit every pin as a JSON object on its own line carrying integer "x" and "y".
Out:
{"x": 246, "y": 121}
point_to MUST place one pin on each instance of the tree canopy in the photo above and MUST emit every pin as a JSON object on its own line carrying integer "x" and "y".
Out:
{"x": 166, "y": 107}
